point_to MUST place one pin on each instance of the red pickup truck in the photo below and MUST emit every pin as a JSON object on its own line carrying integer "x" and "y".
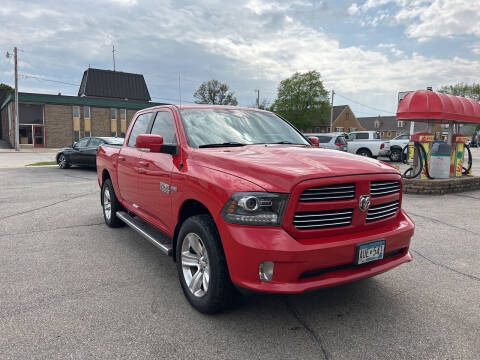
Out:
{"x": 241, "y": 199}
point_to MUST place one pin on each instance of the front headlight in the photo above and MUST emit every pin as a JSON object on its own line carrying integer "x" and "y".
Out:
{"x": 255, "y": 208}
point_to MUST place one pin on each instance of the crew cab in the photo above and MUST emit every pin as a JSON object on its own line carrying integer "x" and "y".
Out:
{"x": 364, "y": 143}
{"x": 242, "y": 200}
{"x": 394, "y": 148}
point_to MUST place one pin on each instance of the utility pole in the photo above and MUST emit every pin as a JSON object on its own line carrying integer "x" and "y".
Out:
{"x": 113, "y": 55}
{"x": 331, "y": 112}
{"x": 17, "y": 125}
{"x": 258, "y": 98}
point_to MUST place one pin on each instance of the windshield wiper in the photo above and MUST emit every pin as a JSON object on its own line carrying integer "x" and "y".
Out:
{"x": 225, "y": 144}
{"x": 286, "y": 142}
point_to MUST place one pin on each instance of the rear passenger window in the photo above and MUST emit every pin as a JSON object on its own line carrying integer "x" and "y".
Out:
{"x": 163, "y": 126}
{"x": 140, "y": 127}
{"x": 362, "y": 136}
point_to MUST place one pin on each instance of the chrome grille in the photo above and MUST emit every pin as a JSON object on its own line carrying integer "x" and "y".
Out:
{"x": 329, "y": 193}
{"x": 382, "y": 211}
{"x": 322, "y": 219}
{"x": 385, "y": 187}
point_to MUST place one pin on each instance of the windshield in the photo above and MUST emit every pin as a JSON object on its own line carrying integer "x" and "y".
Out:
{"x": 204, "y": 127}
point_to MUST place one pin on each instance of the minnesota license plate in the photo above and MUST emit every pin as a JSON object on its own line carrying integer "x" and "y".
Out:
{"x": 370, "y": 251}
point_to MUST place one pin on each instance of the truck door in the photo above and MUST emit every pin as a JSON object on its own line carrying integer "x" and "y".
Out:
{"x": 156, "y": 172}
{"x": 129, "y": 161}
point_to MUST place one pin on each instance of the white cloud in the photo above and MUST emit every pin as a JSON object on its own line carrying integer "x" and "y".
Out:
{"x": 425, "y": 19}
{"x": 251, "y": 46}
{"x": 353, "y": 9}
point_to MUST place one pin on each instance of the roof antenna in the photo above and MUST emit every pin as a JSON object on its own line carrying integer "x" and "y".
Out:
{"x": 113, "y": 55}
{"x": 179, "y": 91}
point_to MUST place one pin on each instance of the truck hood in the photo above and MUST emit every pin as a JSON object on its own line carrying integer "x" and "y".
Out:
{"x": 278, "y": 168}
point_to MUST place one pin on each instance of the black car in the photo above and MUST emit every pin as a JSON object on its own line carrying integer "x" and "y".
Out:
{"x": 84, "y": 151}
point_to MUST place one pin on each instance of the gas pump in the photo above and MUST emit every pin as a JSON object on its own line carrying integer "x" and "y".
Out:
{"x": 456, "y": 159}
{"x": 422, "y": 147}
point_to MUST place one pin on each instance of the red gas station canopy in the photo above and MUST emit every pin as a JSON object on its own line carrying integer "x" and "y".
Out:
{"x": 427, "y": 105}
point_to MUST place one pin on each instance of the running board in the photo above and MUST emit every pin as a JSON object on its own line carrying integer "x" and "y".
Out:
{"x": 156, "y": 237}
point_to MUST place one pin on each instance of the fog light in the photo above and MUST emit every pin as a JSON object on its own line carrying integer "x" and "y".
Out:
{"x": 265, "y": 271}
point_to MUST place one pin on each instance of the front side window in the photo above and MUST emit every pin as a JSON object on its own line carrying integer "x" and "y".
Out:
{"x": 140, "y": 127}
{"x": 82, "y": 143}
{"x": 95, "y": 142}
{"x": 164, "y": 126}
{"x": 207, "y": 127}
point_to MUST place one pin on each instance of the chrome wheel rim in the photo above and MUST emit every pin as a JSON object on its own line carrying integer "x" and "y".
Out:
{"x": 395, "y": 156}
{"x": 195, "y": 265}
{"x": 107, "y": 203}
{"x": 62, "y": 160}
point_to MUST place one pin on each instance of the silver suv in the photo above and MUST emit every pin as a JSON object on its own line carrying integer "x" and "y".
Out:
{"x": 330, "y": 141}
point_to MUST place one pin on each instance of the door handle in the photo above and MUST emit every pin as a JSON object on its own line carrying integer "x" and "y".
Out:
{"x": 143, "y": 163}
{"x": 121, "y": 158}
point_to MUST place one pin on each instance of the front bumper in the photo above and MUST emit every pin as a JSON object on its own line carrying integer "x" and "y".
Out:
{"x": 308, "y": 264}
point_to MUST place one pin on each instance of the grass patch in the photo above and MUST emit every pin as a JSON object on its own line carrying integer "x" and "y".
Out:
{"x": 42, "y": 163}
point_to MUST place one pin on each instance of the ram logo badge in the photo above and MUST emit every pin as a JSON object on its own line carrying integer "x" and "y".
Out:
{"x": 364, "y": 202}
{"x": 165, "y": 188}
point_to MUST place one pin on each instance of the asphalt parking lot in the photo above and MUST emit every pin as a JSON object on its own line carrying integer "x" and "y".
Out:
{"x": 73, "y": 288}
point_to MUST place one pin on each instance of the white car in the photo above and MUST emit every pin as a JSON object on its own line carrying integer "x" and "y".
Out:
{"x": 393, "y": 148}
{"x": 364, "y": 143}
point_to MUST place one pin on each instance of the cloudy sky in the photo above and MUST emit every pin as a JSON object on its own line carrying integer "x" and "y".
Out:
{"x": 366, "y": 51}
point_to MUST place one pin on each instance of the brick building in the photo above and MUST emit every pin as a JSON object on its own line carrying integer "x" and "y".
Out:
{"x": 105, "y": 105}
{"x": 389, "y": 127}
{"x": 344, "y": 120}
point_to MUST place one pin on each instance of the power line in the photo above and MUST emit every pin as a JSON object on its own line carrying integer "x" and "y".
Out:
{"x": 27, "y": 76}
{"x": 367, "y": 106}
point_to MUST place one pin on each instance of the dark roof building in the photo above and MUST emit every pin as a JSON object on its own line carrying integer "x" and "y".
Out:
{"x": 107, "y": 103}
{"x": 113, "y": 84}
{"x": 344, "y": 120}
{"x": 389, "y": 127}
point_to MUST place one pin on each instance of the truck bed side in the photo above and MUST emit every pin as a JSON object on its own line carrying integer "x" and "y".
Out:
{"x": 107, "y": 158}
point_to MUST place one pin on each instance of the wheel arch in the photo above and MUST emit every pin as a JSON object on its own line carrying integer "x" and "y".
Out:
{"x": 364, "y": 148}
{"x": 396, "y": 147}
{"x": 190, "y": 207}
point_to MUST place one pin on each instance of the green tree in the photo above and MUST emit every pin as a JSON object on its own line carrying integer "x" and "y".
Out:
{"x": 7, "y": 88}
{"x": 302, "y": 99}
{"x": 216, "y": 93}
{"x": 462, "y": 89}
{"x": 465, "y": 90}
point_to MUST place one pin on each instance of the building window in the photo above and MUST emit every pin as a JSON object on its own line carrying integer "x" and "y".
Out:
{"x": 123, "y": 121}
{"x": 389, "y": 133}
{"x": 400, "y": 123}
{"x": 76, "y": 122}
{"x": 328, "y": 129}
{"x": 113, "y": 121}
{"x": 339, "y": 129}
{"x": 382, "y": 134}
{"x": 377, "y": 124}
{"x": 87, "y": 121}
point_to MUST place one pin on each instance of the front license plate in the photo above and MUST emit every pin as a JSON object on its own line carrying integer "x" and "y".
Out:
{"x": 370, "y": 251}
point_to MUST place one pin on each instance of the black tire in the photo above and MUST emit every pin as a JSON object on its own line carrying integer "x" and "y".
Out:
{"x": 395, "y": 155}
{"x": 220, "y": 292}
{"x": 62, "y": 161}
{"x": 111, "y": 220}
{"x": 364, "y": 152}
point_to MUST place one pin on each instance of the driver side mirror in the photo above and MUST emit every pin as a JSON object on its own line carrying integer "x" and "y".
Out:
{"x": 149, "y": 142}
{"x": 314, "y": 141}
{"x": 73, "y": 145}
